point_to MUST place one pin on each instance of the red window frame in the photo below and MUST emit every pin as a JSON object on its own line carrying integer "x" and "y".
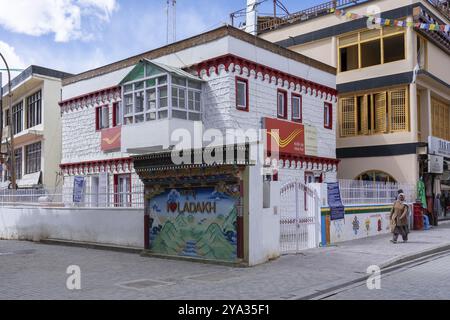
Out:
{"x": 247, "y": 95}
{"x": 97, "y": 116}
{"x": 285, "y": 95}
{"x": 328, "y": 111}
{"x": 114, "y": 114}
{"x": 300, "y": 119}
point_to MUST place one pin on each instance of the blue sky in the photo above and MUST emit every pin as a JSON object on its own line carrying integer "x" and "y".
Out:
{"x": 77, "y": 35}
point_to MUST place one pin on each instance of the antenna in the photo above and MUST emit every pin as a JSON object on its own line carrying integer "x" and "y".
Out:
{"x": 171, "y": 11}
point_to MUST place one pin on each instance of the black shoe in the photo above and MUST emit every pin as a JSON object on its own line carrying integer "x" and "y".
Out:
{"x": 393, "y": 241}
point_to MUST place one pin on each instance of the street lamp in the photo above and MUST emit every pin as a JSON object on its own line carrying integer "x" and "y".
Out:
{"x": 11, "y": 124}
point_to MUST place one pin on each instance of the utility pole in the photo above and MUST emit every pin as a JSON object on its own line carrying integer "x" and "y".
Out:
{"x": 11, "y": 124}
{"x": 171, "y": 20}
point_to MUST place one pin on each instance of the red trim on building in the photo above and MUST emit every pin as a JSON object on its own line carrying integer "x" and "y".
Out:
{"x": 304, "y": 159}
{"x": 230, "y": 59}
{"x": 89, "y": 166}
{"x": 247, "y": 107}
{"x": 92, "y": 97}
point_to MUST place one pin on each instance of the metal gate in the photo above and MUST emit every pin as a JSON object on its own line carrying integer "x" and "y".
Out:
{"x": 299, "y": 218}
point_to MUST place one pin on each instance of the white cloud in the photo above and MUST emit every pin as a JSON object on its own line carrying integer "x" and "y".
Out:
{"x": 66, "y": 19}
{"x": 13, "y": 60}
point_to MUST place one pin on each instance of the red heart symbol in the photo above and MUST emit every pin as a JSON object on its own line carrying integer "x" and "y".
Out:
{"x": 173, "y": 206}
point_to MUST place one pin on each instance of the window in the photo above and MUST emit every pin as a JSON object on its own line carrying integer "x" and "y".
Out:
{"x": 102, "y": 117}
{"x": 375, "y": 176}
{"x": 157, "y": 96}
{"x": 17, "y": 114}
{"x": 440, "y": 115}
{"x": 421, "y": 52}
{"x": 328, "y": 116}
{"x": 374, "y": 113}
{"x": 33, "y": 158}
{"x": 122, "y": 190}
{"x": 34, "y": 110}
{"x": 117, "y": 114}
{"x": 296, "y": 104}
{"x": 371, "y": 47}
{"x": 282, "y": 104}
{"x": 242, "y": 94}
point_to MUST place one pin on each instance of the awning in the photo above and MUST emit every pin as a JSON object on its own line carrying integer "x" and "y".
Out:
{"x": 29, "y": 180}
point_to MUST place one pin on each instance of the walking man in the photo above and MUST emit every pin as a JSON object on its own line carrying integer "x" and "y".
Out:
{"x": 399, "y": 219}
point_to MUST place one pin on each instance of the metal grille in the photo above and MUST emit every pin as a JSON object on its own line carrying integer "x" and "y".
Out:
{"x": 299, "y": 218}
{"x": 440, "y": 115}
{"x": 398, "y": 110}
{"x": 380, "y": 112}
{"x": 348, "y": 117}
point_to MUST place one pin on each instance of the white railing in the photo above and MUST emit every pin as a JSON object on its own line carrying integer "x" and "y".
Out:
{"x": 356, "y": 192}
{"x": 130, "y": 198}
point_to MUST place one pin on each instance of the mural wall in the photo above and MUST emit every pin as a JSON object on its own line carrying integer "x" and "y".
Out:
{"x": 195, "y": 222}
{"x": 359, "y": 222}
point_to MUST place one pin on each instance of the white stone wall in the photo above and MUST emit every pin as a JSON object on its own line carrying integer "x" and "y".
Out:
{"x": 220, "y": 107}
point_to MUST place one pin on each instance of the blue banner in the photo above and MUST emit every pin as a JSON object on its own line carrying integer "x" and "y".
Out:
{"x": 78, "y": 189}
{"x": 337, "y": 210}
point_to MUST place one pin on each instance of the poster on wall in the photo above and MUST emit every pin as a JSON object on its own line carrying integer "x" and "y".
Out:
{"x": 78, "y": 189}
{"x": 197, "y": 222}
{"x": 337, "y": 210}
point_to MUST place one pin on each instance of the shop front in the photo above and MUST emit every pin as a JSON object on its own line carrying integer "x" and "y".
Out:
{"x": 193, "y": 210}
{"x": 436, "y": 180}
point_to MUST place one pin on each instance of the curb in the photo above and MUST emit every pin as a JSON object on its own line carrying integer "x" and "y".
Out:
{"x": 90, "y": 245}
{"x": 386, "y": 267}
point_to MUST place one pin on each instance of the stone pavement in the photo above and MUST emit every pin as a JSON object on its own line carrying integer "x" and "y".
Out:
{"x": 37, "y": 271}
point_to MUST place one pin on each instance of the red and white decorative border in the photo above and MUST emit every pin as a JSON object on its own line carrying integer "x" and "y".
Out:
{"x": 99, "y": 97}
{"x": 305, "y": 162}
{"x": 118, "y": 165}
{"x": 232, "y": 63}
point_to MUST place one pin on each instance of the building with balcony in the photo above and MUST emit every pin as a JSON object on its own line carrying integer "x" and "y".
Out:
{"x": 36, "y": 128}
{"x": 225, "y": 79}
{"x": 393, "y": 80}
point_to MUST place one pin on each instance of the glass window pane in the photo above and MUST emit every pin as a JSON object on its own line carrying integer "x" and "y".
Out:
{"x": 139, "y": 102}
{"x": 139, "y": 85}
{"x": 150, "y": 83}
{"x": 195, "y": 116}
{"x": 195, "y": 85}
{"x": 150, "y": 116}
{"x": 139, "y": 118}
{"x": 151, "y": 99}
{"x": 128, "y": 88}
{"x": 179, "y": 81}
{"x": 128, "y": 104}
{"x": 241, "y": 94}
{"x": 349, "y": 58}
{"x": 162, "y": 80}
{"x": 296, "y": 107}
{"x": 394, "y": 48}
{"x": 179, "y": 114}
{"x": 163, "y": 114}
{"x": 128, "y": 120}
{"x": 181, "y": 97}
{"x": 370, "y": 53}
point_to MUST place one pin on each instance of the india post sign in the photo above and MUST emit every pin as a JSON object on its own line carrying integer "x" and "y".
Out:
{"x": 195, "y": 222}
{"x": 285, "y": 137}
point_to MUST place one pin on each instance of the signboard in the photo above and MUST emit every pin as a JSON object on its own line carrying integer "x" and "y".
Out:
{"x": 111, "y": 139}
{"x": 337, "y": 211}
{"x": 435, "y": 164}
{"x": 78, "y": 189}
{"x": 438, "y": 147}
{"x": 195, "y": 222}
{"x": 290, "y": 137}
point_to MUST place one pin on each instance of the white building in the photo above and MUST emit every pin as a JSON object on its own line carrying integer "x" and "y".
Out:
{"x": 36, "y": 127}
{"x": 224, "y": 79}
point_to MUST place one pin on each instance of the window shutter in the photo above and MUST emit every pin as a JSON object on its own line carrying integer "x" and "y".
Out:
{"x": 397, "y": 100}
{"x": 348, "y": 117}
{"x": 364, "y": 117}
{"x": 380, "y": 112}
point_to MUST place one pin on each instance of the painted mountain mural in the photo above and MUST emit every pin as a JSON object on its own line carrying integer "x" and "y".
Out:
{"x": 208, "y": 234}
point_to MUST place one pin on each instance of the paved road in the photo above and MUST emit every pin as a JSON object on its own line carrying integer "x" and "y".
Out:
{"x": 37, "y": 271}
{"x": 429, "y": 280}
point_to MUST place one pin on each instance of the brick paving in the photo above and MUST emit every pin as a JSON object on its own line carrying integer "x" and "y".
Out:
{"x": 37, "y": 271}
